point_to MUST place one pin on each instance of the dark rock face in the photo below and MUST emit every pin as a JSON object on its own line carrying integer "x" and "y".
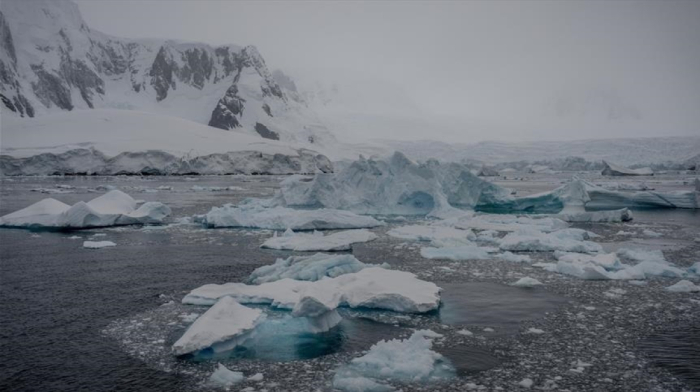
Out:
{"x": 198, "y": 68}
{"x": 76, "y": 73}
{"x": 263, "y": 131}
{"x": 50, "y": 89}
{"x": 229, "y": 107}
{"x": 162, "y": 75}
{"x": 267, "y": 110}
{"x": 6, "y": 39}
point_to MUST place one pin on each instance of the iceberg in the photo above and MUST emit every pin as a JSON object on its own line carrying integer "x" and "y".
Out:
{"x": 111, "y": 209}
{"x": 307, "y": 268}
{"x": 504, "y": 222}
{"x": 611, "y": 169}
{"x": 221, "y": 328}
{"x": 684, "y": 286}
{"x": 377, "y": 288}
{"x": 223, "y": 377}
{"x": 396, "y": 186}
{"x": 317, "y": 241}
{"x": 395, "y": 361}
{"x": 256, "y": 214}
{"x": 601, "y": 198}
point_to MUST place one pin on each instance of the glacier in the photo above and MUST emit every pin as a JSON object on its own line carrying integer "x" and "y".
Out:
{"x": 405, "y": 361}
{"x": 302, "y": 242}
{"x": 114, "y": 208}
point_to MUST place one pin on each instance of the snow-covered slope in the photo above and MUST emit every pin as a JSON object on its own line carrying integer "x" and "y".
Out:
{"x": 52, "y": 61}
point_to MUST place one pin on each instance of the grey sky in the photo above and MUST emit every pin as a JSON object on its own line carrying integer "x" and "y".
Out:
{"x": 488, "y": 70}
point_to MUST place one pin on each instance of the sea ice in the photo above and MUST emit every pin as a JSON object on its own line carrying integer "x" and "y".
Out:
{"x": 395, "y": 361}
{"x": 369, "y": 288}
{"x": 684, "y": 286}
{"x": 303, "y": 242}
{"x": 256, "y": 214}
{"x": 621, "y": 215}
{"x": 309, "y": 268}
{"x": 111, "y": 209}
{"x": 527, "y": 282}
{"x": 611, "y": 169}
{"x": 457, "y": 253}
{"x": 569, "y": 240}
{"x": 98, "y": 244}
{"x": 430, "y": 233}
{"x": 223, "y": 377}
{"x": 221, "y": 328}
{"x": 504, "y": 222}
{"x": 514, "y": 258}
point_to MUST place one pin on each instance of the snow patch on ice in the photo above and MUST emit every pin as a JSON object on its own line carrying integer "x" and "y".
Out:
{"x": 316, "y": 241}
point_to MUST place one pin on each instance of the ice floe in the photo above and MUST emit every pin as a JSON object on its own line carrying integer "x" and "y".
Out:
{"x": 569, "y": 240}
{"x": 255, "y": 214}
{"x": 220, "y": 328}
{"x": 223, "y": 377}
{"x": 98, "y": 244}
{"x": 504, "y": 222}
{"x": 458, "y": 253}
{"x": 430, "y": 233}
{"x": 308, "y": 268}
{"x": 526, "y": 282}
{"x": 316, "y": 241}
{"x": 684, "y": 286}
{"x": 111, "y": 209}
{"x": 368, "y": 288}
{"x": 395, "y": 361}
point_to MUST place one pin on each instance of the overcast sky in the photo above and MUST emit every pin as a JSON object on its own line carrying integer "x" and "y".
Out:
{"x": 484, "y": 70}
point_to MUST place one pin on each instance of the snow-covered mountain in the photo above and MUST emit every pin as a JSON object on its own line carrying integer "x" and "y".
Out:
{"x": 52, "y": 61}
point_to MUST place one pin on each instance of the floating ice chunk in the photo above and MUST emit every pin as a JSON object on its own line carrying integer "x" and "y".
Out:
{"x": 257, "y": 377}
{"x": 369, "y": 288}
{"x": 279, "y": 218}
{"x": 465, "y": 332}
{"x": 503, "y": 222}
{"x": 641, "y": 255}
{"x": 694, "y": 269}
{"x": 526, "y": 383}
{"x": 601, "y": 198}
{"x": 457, "y": 253}
{"x": 621, "y": 215}
{"x": 395, "y": 361}
{"x": 684, "y": 286}
{"x": 221, "y": 328}
{"x": 112, "y": 208}
{"x": 223, "y": 377}
{"x": 527, "y": 282}
{"x": 514, "y": 258}
{"x": 98, "y": 244}
{"x": 430, "y": 233}
{"x": 309, "y": 268}
{"x": 651, "y": 233}
{"x": 488, "y": 329}
{"x": 317, "y": 241}
{"x": 569, "y": 240}
{"x": 609, "y": 261}
{"x": 535, "y": 331}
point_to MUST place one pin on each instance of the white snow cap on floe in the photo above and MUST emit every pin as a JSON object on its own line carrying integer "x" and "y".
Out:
{"x": 303, "y": 242}
{"x": 396, "y": 361}
{"x": 258, "y": 214}
{"x": 111, "y": 209}
{"x": 369, "y": 288}
{"x": 308, "y": 268}
{"x": 222, "y": 327}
